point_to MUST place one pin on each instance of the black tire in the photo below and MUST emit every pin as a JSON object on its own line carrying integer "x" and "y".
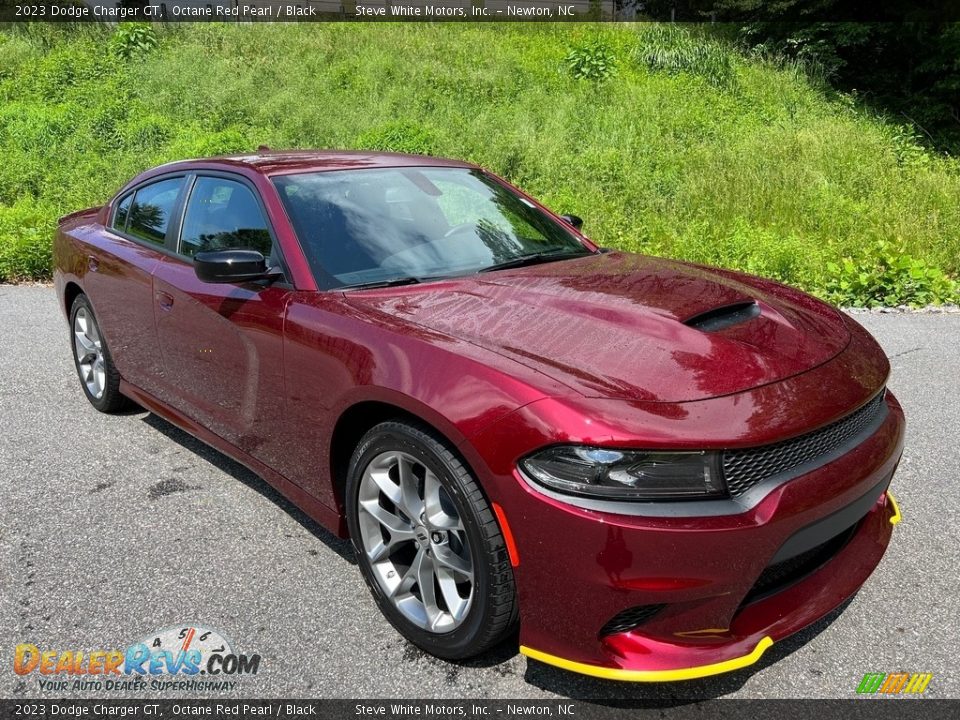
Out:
{"x": 492, "y": 613}
{"x": 110, "y": 401}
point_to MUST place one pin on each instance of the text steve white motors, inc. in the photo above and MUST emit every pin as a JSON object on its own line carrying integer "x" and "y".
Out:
{"x": 434, "y": 11}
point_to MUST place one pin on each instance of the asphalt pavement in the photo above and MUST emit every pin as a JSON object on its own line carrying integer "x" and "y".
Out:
{"x": 112, "y": 527}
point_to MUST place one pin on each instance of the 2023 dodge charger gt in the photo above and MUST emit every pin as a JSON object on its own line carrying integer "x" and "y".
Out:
{"x": 655, "y": 469}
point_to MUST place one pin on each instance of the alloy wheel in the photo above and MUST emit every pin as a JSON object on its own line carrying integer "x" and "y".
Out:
{"x": 89, "y": 352}
{"x": 415, "y": 542}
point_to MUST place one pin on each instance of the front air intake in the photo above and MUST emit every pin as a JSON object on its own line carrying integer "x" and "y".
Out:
{"x": 629, "y": 619}
{"x": 783, "y": 574}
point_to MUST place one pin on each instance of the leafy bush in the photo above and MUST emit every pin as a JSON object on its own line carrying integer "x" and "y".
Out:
{"x": 908, "y": 146}
{"x": 671, "y": 49}
{"x": 132, "y": 39}
{"x": 888, "y": 277}
{"x": 25, "y": 232}
{"x": 593, "y": 60}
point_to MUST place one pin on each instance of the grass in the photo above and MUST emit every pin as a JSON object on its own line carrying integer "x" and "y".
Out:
{"x": 685, "y": 148}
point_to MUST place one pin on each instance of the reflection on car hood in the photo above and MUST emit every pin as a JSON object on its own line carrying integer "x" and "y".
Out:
{"x": 629, "y": 326}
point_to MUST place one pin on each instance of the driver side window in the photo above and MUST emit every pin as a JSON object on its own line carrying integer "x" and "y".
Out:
{"x": 223, "y": 215}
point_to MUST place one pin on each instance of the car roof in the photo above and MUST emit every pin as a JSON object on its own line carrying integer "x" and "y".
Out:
{"x": 269, "y": 162}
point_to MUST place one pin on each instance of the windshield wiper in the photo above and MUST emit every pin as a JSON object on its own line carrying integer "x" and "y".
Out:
{"x": 534, "y": 258}
{"x": 393, "y": 282}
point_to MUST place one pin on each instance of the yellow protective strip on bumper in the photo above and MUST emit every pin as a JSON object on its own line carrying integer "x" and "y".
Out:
{"x": 651, "y": 675}
{"x": 896, "y": 517}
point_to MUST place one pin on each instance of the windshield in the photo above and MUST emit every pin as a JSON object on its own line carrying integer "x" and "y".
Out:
{"x": 361, "y": 227}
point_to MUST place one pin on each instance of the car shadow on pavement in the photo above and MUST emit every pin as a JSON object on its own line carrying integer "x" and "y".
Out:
{"x": 500, "y": 658}
{"x": 343, "y": 548}
{"x": 131, "y": 408}
{"x": 637, "y": 695}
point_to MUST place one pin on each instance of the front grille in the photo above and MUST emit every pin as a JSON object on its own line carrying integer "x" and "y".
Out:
{"x": 743, "y": 469}
{"x": 780, "y": 575}
{"x": 629, "y": 619}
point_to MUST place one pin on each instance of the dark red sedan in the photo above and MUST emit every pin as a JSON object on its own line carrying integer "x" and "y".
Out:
{"x": 655, "y": 469}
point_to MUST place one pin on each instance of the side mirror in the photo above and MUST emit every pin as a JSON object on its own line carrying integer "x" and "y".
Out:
{"x": 574, "y": 220}
{"x": 230, "y": 266}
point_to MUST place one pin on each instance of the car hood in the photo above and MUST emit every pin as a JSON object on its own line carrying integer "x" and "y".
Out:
{"x": 630, "y": 326}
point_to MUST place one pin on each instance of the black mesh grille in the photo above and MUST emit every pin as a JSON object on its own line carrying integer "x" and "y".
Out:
{"x": 742, "y": 469}
{"x": 778, "y": 576}
{"x": 630, "y": 619}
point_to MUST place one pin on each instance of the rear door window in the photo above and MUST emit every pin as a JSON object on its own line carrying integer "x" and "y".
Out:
{"x": 151, "y": 210}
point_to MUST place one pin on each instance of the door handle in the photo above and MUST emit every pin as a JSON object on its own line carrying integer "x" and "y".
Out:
{"x": 166, "y": 301}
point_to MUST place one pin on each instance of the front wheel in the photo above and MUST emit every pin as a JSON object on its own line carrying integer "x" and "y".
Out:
{"x": 428, "y": 543}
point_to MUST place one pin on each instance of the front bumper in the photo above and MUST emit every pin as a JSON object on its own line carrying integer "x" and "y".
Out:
{"x": 579, "y": 568}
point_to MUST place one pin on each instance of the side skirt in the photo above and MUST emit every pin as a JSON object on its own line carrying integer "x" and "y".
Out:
{"x": 318, "y": 511}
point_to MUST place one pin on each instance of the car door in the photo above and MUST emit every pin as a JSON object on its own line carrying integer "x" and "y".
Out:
{"x": 222, "y": 344}
{"x": 119, "y": 277}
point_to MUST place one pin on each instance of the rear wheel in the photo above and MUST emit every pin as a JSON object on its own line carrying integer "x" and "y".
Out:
{"x": 98, "y": 375}
{"x": 428, "y": 543}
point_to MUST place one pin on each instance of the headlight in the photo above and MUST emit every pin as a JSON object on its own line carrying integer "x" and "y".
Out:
{"x": 627, "y": 474}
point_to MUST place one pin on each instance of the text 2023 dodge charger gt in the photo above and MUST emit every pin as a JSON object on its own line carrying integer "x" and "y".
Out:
{"x": 655, "y": 469}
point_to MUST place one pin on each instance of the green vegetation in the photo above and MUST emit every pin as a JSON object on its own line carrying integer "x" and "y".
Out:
{"x": 689, "y": 149}
{"x": 886, "y": 277}
{"x": 672, "y": 49}
{"x": 593, "y": 60}
{"x": 909, "y": 69}
{"x": 132, "y": 39}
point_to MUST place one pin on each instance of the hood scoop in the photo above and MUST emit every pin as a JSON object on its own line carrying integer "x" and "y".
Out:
{"x": 721, "y": 318}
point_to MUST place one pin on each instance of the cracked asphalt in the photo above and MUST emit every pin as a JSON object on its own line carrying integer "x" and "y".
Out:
{"x": 112, "y": 527}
